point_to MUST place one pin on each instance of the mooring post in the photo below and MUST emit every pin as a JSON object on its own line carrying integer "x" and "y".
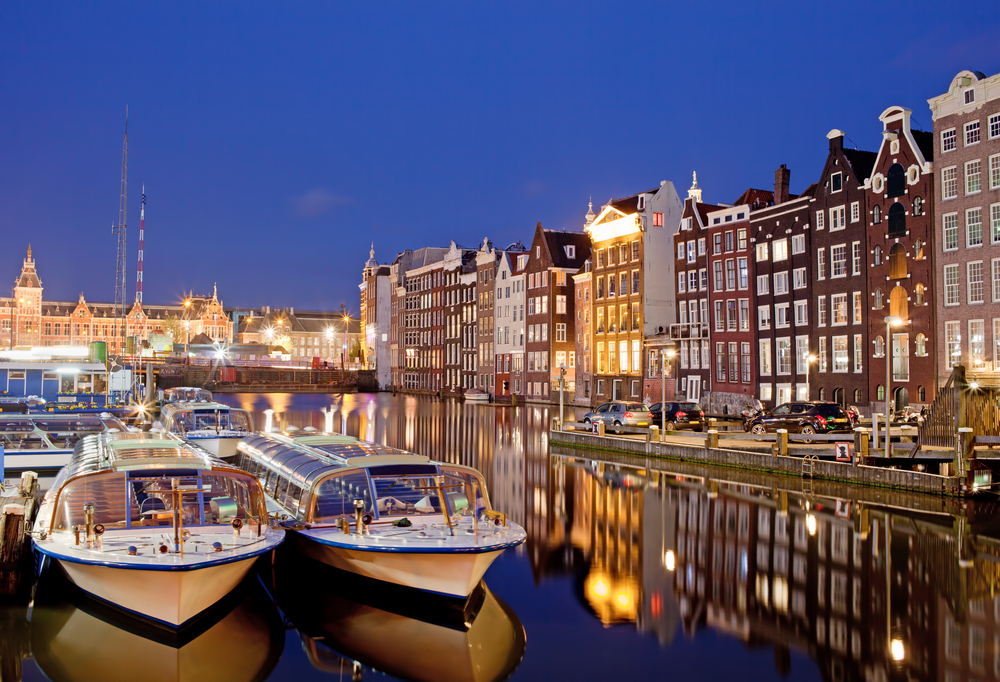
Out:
{"x": 963, "y": 446}
{"x": 783, "y": 442}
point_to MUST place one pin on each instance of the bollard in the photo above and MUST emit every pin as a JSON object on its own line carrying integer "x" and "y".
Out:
{"x": 712, "y": 423}
{"x": 600, "y": 428}
{"x": 555, "y": 424}
{"x": 875, "y": 416}
{"x": 860, "y": 444}
{"x": 712, "y": 439}
{"x": 28, "y": 484}
{"x": 654, "y": 434}
{"x": 783, "y": 442}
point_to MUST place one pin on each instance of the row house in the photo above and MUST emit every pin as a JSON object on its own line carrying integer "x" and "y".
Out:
{"x": 405, "y": 339}
{"x": 966, "y": 214}
{"x": 486, "y": 271}
{"x": 732, "y": 335}
{"x": 555, "y": 256}
{"x": 690, "y": 333}
{"x": 633, "y": 288}
{"x": 459, "y": 305}
{"x": 782, "y": 271}
{"x": 901, "y": 268}
{"x": 509, "y": 312}
{"x": 839, "y": 341}
{"x": 376, "y": 309}
{"x": 423, "y": 323}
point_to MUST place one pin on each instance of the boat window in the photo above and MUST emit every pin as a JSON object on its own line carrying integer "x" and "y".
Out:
{"x": 206, "y": 499}
{"x": 270, "y": 482}
{"x": 23, "y": 441}
{"x": 291, "y": 499}
{"x": 470, "y": 487}
{"x": 240, "y": 421}
{"x": 282, "y": 488}
{"x": 401, "y": 493}
{"x": 335, "y": 496}
{"x": 79, "y": 425}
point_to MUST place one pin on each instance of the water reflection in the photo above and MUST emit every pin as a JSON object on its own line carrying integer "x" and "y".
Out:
{"x": 863, "y": 583}
{"x": 347, "y": 624}
{"x": 74, "y": 637}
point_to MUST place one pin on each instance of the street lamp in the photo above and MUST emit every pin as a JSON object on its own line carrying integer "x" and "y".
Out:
{"x": 562, "y": 379}
{"x": 343, "y": 362}
{"x": 890, "y": 322}
{"x": 668, "y": 356}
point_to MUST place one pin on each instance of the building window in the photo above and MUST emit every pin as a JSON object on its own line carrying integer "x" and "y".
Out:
{"x": 856, "y": 258}
{"x": 820, "y": 220}
{"x": 780, "y": 283}
{"x": 879, "y": 347}
{"x": 973, "y": 177}
{"x": 836, "y": 182}
{"x": 837, "y": 219}
{"x": 838, "y": 260}
{"x": 948, "y": 140}
{"x": 995, "y": 263}
{"x": 761, "y": 251}
{"x": 840, "y": 359}
{"x": 730, "y": 274}
{"x": 918, "y": 292}
{"x": 801, "y": 354}
{"x": 880, "y": 392}
{"x": 731, "y": 315}
{"x": 763, "y": 318}
{"x": 953, "y": 343}
{"x": 657, "y": 219}
{"x": 839, "y": 304}
{"x": 896, "y": 181}
{"x": 741, "y": 238}
{"x": 798, "y": 244}
{"x": 949, "y": 182}
{"x": 859, "y": 352}
{"x": 974, "y": 272}
{"x": 877, "y": 215}
{"x": 801, "y": 313}
{"x": 780, "y": 250}
{"x": 897, "y": 262}
{"x": 821, "y": 263}
{"x": 821, "y": 311}
{"x": 977, "y": 345}
{"x": 560, "y": 331}
{"x": 950, "y": 231}
{"x": 856, "y": 307}
{"x": 720, "y": 361}
{"x": 951, "y": 296}
{"x": 918, "y": 206}
{"x": 784, "y": 355}
{"x": 971, "y": 133}
{"x": 897, "y": 220}
{"x": 973, "y": 227}
{"x": 821, "y": 355}
{"x": 765, "y": 357}
{"x": 921, "y": 345}
{"x": 745, "y": 361}
{"x": 743, "y": 271}
{"x": 855, "y": 211}
{"x": 763, "y": 284}
{"x": 744, "y": 314}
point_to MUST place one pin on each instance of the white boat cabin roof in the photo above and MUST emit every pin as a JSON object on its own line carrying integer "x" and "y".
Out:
{"x": 113, "y": 452}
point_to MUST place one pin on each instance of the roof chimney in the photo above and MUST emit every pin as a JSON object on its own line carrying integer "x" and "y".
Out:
{"x": 836, "y": 138}
{"x": 782, "y": 176}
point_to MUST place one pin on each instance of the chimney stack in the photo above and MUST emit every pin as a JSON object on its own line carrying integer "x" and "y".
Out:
{"x": 782, "y": 177}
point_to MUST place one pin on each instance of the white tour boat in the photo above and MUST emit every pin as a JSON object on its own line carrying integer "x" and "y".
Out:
{"x": 43, "y": 442}
{"x": 186, "y": 394}
{"x": 380, "y": 512}
{"x": 216, "y": 427}
{"x": 153, "y": 525}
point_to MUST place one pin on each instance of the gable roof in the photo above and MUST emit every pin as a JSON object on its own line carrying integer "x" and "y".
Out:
{"x": 755, "y": 198}
{"x": 925, "y": 141}
{"x": 630, "y": 204}
{"x": 556, "y": 240}
{"x": 861, "y": 162}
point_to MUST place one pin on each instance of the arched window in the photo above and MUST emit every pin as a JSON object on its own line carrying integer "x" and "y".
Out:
{"x": 857, "y": 395}
{"x": 921, "y": 394}
{"x": 921, "y": 345}
{"x": 895, "y": 184}
{"x": 919, "y": 291}
{"x": 877, "y": 300}
{"x": 838, "y": 397}
{"x": 897, "y": 262}
{"x": 879, "y": 347}
{"x": 897, "y": 220}
{"x": 918, "y": 249}
{"x": 880, "y": 392}
{"x": 918, "y": 206}
{"x": 878, "y": 255}
{"x": 877, "y": 215}
{"x": 822, "y": 394}
{"x": 898, "y": 303}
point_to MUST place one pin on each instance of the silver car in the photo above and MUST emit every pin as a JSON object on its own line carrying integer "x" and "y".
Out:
{"x": 619, "y": 413}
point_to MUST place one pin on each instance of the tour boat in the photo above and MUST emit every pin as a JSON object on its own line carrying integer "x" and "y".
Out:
{"x": 76, "y": 638}
{"x": 380, "y": 512}
{"x": 214, "y": 426}
{"x": 153, "y": 525}
{"x": 475, "y": 395}
{"x": 410, "y": 635}
{"x": 43, "y": 442}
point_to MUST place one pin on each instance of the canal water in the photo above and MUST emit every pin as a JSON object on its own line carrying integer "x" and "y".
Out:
{"x": 633, "y": 569}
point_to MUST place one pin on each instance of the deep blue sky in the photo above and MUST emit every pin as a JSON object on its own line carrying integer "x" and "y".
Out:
{"x": 276, "y": 141}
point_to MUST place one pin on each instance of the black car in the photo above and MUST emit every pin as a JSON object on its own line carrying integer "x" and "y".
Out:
{"x": 806, "y": 417}
{"x": 678, "y": 416}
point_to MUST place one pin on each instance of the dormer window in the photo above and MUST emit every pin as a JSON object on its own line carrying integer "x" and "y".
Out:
{"x": 970, "y": 96}
{"x": 836, "y": 182}
{"x": 570, "y": 251}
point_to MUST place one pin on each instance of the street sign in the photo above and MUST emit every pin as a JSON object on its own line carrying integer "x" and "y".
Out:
{"x": 843, "y": 451}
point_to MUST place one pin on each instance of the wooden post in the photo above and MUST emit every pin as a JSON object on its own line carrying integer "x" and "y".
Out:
{"x": 963, "y": 444}
{"x": 783, "y": 442}
{"x": 712, "y": 439}
{"x": 13, "y": 528}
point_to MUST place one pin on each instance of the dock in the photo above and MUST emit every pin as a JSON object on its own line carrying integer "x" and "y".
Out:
{"x": 18, "y": 506}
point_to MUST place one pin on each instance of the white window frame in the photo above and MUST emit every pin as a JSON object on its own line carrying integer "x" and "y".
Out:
{"x": 781, "y": 320}
{"x": 971, "y": 285}
{"x": 855, "y": 211}
{"x": 949, "y": 140}
{"x": 833, "y": 261}
{"x": 970, "y": 214}
{"x": 798, "y": 244}
{"x": 838, "y": 220}
{"x": 856, "y": 257}
{"x": 949, "y": 231}
{"x": 801, "y": 313}
{"x": 799, "y": 278}
{"x": 949, "y": 183}
{"x": 952, "y": 289}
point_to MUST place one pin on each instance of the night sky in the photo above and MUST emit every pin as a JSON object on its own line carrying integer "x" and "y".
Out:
{"x": 277, "y": 140}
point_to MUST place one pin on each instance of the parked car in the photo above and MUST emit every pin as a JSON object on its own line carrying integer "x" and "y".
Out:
{"x": 678, "y": 416}
{"x": 807, "y": 417}
{"x": 619, "y": 413}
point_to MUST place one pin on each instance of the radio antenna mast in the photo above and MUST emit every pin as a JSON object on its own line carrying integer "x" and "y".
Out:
{"x": 120, "y": 311}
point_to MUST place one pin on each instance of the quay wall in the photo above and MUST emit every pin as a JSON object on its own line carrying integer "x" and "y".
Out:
{"x": 913, "y": 481}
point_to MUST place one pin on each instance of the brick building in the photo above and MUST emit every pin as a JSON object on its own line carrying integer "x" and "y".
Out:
{"x": 900, "y": 234}
{"x": 555, "y": 256}
{"x": 966, "y": 214}
{"x": 486, "y": 270}
{"x": 509, "y": 313}
{"x": 459, "y": 317}
{"x": 582, "y": 283}
{"x": 840, "y": 264}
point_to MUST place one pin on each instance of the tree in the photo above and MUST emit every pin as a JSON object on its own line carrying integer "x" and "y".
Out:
{"x": 355, "y": 350}
{"x": 174, "y": 326}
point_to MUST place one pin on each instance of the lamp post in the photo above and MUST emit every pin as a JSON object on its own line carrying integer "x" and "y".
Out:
{"x": 562, "y": 380}
{"x": 347, "y": 319}
{"x": 187, "y": 330}
{"x": 890, "y": 322}
{"x": 667, "y": 356}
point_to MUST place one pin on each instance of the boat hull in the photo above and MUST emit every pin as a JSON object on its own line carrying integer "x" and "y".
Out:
{"x": 171, "y": 597}
{"x": 454, "y": 574}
